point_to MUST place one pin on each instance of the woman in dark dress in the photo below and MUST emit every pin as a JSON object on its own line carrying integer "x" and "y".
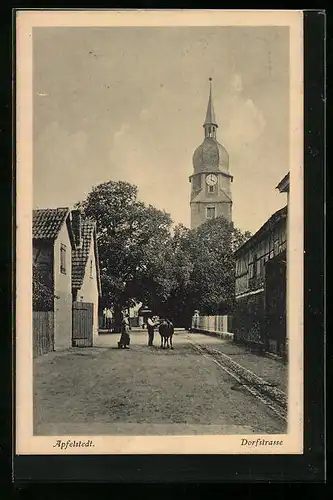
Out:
{"x": 124, "y": 341}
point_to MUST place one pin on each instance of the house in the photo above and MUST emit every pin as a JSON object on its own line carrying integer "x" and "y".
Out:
{"x": 65, "y": 259}
{"x": 283, "y": 187}
{"x": 53, "y": 241}
{"x": 86, "y": 283}
{"x": 260, "y": 288}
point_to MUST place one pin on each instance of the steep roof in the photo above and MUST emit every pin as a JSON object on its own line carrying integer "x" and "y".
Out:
{"x": 210, "y": 156}
{"x": 210, "y": 114}
{"x": 200, "y": 196}
{"x": 269, "y": 224}
{"x": 81, "y": 254}
{"x": 46, "y": 223}
{"x": 283, "y": 185}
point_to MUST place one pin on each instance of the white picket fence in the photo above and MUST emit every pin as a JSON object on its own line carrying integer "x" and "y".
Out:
{"x": 214, "y": 324}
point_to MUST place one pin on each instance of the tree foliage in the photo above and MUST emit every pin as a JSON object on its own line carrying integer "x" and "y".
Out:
{"x": 201, "y": 269}
{"x": 42, "y": 295}
{"x": 129, "y": 236}
{"x": 211, "y": 247}
{"x": 140, "y": 260}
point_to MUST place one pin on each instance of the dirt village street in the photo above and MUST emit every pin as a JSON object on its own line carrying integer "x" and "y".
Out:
{"x": 103, "y": 390}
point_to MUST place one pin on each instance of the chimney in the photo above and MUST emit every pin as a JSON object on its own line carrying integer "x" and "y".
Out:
{"x": 76, "y": 226}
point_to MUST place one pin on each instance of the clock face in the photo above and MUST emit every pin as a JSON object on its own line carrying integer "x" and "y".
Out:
{"x": 211, "y": 180}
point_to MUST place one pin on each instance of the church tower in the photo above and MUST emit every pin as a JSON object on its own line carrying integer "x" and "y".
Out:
{"x": 211, "y": 181}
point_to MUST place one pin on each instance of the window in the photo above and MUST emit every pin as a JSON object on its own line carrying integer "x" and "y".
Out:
{"x": 255, "y": 260}
{"x": 210, "y": 212}
{"x": 63, "y": 259}
{"x": 276, "y": 247}
{"x": 211, "y": 131}
{"x": 262, "y": 267}
{"x": 91, "y": 269}
{"x": 211, "y": 189}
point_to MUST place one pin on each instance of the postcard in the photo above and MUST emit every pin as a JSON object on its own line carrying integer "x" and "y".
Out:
{"x": 159, "y": 171}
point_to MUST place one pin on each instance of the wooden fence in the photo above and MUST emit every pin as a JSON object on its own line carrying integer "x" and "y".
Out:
{"x": 43, "y": 332}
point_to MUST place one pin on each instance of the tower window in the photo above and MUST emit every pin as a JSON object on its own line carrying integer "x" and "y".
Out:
{"x": 211, "y": 189}
{"x": 210, "y": 214}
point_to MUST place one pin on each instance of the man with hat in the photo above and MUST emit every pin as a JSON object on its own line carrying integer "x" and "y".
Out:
{"x": 150, "y": 327}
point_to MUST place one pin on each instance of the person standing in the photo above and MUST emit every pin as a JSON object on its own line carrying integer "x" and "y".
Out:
{"x": 124, "y": 341}
{"x": 108, "y": 315}
{"x": 150, "y": 327}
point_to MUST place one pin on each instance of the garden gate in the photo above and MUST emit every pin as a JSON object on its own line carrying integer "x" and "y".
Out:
{"x": 82, "y": 333}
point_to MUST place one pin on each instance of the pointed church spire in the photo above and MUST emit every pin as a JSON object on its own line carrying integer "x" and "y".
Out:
{"x": 210, "y": 115}
{"x": 210, "y": 124}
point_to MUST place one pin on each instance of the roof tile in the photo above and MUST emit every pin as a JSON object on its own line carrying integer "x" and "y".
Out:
{"x": 280, "y": 214}
{"x": 80, "y": 255}
{"x": 46, "y": 223}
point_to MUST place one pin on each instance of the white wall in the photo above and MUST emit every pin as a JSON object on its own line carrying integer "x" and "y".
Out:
{"x": 89, "y": 289}
{"x": 62, "y": 289}
{"x": 211, "y": 323}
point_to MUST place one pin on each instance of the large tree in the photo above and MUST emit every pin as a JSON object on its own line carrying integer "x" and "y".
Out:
{"x": 203, "y": 267}
{"x": 141, "y": 261}
{"x": 130, "y": 236}
{"x": 180, "y": 265}
{"x": 213, "y": 273}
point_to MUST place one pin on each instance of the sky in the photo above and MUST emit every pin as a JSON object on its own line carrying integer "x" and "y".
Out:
{"x": 129, "y": 103}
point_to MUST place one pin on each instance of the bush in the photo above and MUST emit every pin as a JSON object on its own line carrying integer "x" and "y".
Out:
{"x": 42, "y": 295}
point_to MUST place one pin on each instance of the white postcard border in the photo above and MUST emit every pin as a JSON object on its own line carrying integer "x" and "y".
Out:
{"x": 26, "y": 443}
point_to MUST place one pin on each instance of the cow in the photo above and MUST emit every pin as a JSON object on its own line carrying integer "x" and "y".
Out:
{"x": 166, "y": 330}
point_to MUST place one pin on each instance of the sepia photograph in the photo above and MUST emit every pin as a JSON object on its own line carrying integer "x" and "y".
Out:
{"x": 159, "y": 167}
